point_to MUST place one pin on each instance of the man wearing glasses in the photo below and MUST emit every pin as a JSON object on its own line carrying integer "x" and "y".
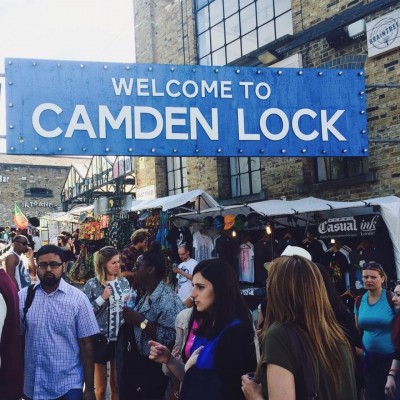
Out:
{"x": 15, "y": 266}
{"x": 58, "y": 329}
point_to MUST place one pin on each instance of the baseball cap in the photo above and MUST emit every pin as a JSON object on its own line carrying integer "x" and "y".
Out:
{"x": 296, "y": 251}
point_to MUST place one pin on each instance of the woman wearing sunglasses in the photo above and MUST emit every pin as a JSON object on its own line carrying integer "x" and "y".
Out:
{"x": 374, "y": 315}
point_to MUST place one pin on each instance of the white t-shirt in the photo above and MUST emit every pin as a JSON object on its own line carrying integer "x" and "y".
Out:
{"x": 185, "y": 284}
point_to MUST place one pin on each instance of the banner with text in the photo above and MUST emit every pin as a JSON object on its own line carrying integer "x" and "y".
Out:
{"x": 93, "y": 108}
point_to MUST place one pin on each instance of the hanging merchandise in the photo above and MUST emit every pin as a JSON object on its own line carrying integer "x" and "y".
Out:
{"x": 162, "y": 232}
{"x": 91, "y": 230}
{"x": 120, "y": 230}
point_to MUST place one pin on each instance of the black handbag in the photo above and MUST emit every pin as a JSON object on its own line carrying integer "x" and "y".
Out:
{"x": 100, "y": 345}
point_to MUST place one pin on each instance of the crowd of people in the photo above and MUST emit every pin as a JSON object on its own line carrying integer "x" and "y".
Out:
{"x": 193, "y": 341}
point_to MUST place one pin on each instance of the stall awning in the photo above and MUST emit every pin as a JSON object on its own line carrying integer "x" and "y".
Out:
{"x": 201, "y": 199}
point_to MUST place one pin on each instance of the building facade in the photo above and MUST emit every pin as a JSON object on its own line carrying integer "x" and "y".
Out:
{"x": 281, "y": 33}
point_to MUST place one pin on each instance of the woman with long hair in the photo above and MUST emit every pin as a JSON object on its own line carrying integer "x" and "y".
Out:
{"x": 107, "y": 292}
{"x": 374, "y": 313}
{"x": 305, "y": 352}
{"x": 219, "y": 347}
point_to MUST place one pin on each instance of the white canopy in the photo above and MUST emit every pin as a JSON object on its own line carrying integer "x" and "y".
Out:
{"x": 202, "y": 199}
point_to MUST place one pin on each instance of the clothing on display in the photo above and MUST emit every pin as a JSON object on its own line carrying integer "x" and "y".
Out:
{"x": 203, "y": 246}
{"x": 246, "y": 262}
{"x": 177, "y": 236}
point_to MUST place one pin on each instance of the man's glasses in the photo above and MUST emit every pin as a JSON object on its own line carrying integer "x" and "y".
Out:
{"x": 51, "y": 264}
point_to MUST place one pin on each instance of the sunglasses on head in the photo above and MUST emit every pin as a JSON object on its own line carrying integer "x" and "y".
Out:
{"x": 373, "y": 265}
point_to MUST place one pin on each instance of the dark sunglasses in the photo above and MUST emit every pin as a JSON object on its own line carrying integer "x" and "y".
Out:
{"x": 373, "y": 265}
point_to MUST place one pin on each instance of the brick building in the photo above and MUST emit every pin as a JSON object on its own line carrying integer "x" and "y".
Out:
{"x": 280, "y": 33}
{"x": 33, "y": 183}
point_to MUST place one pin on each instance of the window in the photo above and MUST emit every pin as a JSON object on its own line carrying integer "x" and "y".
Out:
{"x": 229, "y": 29}
{"x": 177, "y": 175}
{"x": 38, "y": 192}
{"x": 333, "y": 168}
{"x": 245, "y": 175}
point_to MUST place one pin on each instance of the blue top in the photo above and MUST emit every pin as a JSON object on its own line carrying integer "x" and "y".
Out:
{"x": 375, "y": 320}
{"x": 55, "y": 323}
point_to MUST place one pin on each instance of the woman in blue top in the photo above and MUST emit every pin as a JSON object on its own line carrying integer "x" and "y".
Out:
{"x": 374, "y": 317}
{"x": 219, "y": 348}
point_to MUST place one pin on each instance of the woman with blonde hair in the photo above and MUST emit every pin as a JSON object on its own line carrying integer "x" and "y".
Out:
{"x": 107, "y": 292}
{"x": 305, "y": 352}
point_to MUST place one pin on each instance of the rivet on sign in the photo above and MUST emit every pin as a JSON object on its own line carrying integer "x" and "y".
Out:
{"x": 362, "y": 93}
{"x": 197, "y": 150}
{"x": 12, "y": 148}
{"x": 365, "y": 150}
{"x": 240, "y": 150}
{"x": 303, "y": 150}
{"x": 300, "y": 72}
{"x": 59, "y": 149}
{"x": 172, "y": 69}
{"x": 261, "y": 150}
{"x": 219, "y": 150}
{"x": 323, "y": 151}
{"x": 34, "y": 63}
{"x": 362, "y": 112}
{"x": 238, "y": 71}
{"x": 150, "y": 68}
{"x": 340, "y": 73}
{"x": 10, "y": 104}
{"x": 10, "y": 82}
{"x": 11, "y": 126}
{"x": 84, "y": 149}
{"x": 130, "y": 149}
{"x": 153, "y": 150}
{"x": 283, "y": 151}
{"x": 21, "y": 139}
{"x": 107, "y": 149}
{"x": 363, "y": 131}
{"x": 105, "y": 67}
{"x": 58, "y": 65}
{"x": 344, "y": 151}
{"x": 320, "y": 73}
{"x": 258, "y": 71}
{"x": 280, "y": 72}
{"x": 174, "y": 150}
{"x": 128, "y": 67}
{"x": 361, "y": 73}
{"x": 216, "y": 70}
{"x": 9, "y": 62}
{"x": 36, "y": 148}
{"x": 82, "y": 66}
{"x": 194, "y": 70}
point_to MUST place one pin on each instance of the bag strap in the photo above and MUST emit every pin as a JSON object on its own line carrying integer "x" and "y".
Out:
{"x": 28, "y": 301}
{"x": 302, "y": 354}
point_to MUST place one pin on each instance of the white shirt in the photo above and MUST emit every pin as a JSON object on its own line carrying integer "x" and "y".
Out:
{"x": 185, "y": 284}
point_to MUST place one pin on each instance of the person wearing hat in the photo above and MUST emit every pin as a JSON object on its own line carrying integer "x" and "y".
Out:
{"x": 184, "y": 272}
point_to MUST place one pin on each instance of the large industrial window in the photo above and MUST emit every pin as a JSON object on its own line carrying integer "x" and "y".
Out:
{"x": 229, "y": 29}
{"x": 245, "y": 176}
{"x": 333, "y": 168}
{"x": 177, "y": 175}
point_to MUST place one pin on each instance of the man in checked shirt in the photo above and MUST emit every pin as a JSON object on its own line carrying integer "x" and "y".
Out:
{"x": 58, "y": 329}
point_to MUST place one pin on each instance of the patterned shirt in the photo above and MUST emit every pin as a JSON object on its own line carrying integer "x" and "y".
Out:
{"x": 54, "y": 323}
{"x": 129, "y": 255}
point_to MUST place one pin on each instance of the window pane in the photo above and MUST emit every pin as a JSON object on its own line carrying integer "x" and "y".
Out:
{"x": 254, "y": 163}
{"x": 243, "y": 164}
{"x": 201, "y": 3}
{"x": 169, "y": 163}
{"x": 206, "y": 60}
{"x": 218, "y": 57}
{"x": 217, "y": 36}
{"x": 184, "y": 162}
{"x": 233, "y": 51}
{"x": 265, "y": 11}
{"x": 235, "y": 189}
{"x": 248, "y": 19}
{"x": 204, "y": 43}
{"x": 281, "y": 6}
{"x": 266, "y": 34}
{"x": 170, "y": 180}
{"x": 232, "y": 28}
{"x": 230, "y": 6}
{"x": 216, "y": 14}
{"x": 256, "y": 182}
{"x": 203, "y": 22}
{"x": 249, "y": 42}
{"x": 244, "y": 185}
{"x": 244, "y": 3}
{"x": 177, "y": 162}
{"x": 233, "y": 161}
{"x": 284, "y": 25}
{"x": 337, "y": 168}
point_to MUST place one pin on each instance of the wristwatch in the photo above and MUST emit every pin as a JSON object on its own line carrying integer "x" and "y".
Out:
{"x": 143, "y": 324}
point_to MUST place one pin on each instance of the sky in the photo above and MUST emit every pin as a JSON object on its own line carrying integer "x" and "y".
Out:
{"x": 80, "y": 30}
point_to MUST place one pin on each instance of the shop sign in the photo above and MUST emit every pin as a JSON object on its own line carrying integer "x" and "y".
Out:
{"x": 35, "y": 204}
{"x": 383, "y": 33}
{"x": 4, "y": 179}
{"x": 105, "y": 205}
{"x": 146, "y": 193}
{"x": 93, "y": 108}
{"x": 355, "y": 226}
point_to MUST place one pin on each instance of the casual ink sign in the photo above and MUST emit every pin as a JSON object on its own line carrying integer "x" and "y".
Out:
{"x": 73, "y": 108}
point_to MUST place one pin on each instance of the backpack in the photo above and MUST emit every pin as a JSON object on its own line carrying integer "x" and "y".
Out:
{"x": 28, "y": 301}
{"x": 389, "y": 296}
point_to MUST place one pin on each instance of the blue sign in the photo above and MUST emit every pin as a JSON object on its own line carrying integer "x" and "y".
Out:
{"x": 93, "y": 108}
